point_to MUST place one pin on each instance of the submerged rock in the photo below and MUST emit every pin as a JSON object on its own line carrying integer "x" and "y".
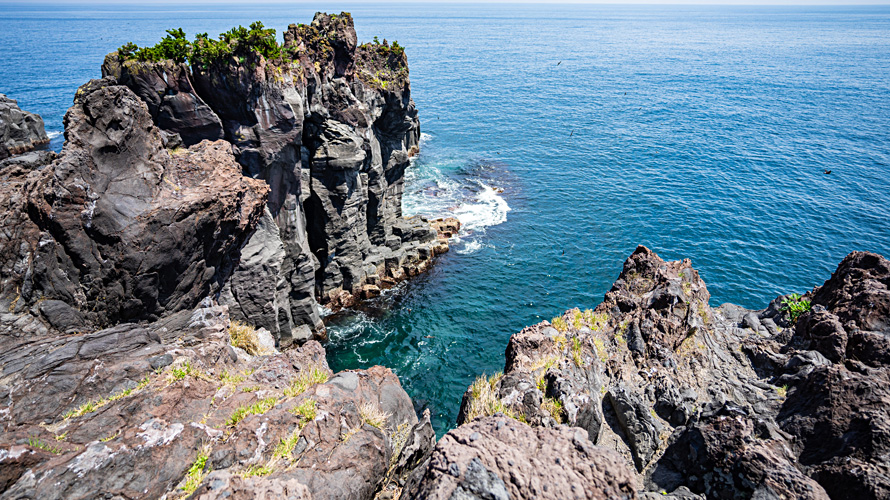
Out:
{"x": 725, "y": 402}
{"x": 20, "y": 131}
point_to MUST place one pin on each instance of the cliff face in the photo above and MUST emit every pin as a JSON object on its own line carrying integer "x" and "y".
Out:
{"x": 268, "y": 176}
{"x": 787, "y": 402}
{"x": 20, "y": 131}
{"x": 118, "y": 227}
{"x": 329, "y": 126}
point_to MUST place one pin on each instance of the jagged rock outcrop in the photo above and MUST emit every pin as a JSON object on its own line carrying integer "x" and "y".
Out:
{"x": 718, "y": 402}
{"x": 20, "y": 131}
{"x": 119, "y": 228}
{"x": 171, "y": 408}
{"x": 500, "y": 458}
{"x": 330, "y": 126}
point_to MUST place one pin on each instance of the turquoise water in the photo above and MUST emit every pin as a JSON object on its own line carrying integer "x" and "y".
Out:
{"x": 702, "y": 132}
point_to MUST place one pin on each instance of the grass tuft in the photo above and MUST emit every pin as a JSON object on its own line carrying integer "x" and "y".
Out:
{"x": 782, "y": 391}
{"x": 555, "y": 408}
{"x": 257, "y": 470}
{"x": 258, "y": 408}
{"x": 576, "y": 352}
{"x": 34, "y": 442}
{"x": 245, "y": 336}
{"x": 485, "y": 401}
{"x": 304, "y": 381}
{"x": 307, "y": 411}
{"x": 601, "y": 351}
{"x": 196, "y": 473}
{"x": 91, "y": 406}
{"x": 371, "y": 414}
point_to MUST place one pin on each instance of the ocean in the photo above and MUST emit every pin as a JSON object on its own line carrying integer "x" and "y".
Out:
{"x": 563, "y": 136}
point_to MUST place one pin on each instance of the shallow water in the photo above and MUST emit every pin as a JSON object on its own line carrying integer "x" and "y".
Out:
{"x": 702, "y": 132}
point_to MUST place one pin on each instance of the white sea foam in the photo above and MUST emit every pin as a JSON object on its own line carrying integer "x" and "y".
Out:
{"x": 431, "y": 192}
{"x": 53, "y": 135}
{"x": 489, "y": 209}
{"x": 469, "y": 247}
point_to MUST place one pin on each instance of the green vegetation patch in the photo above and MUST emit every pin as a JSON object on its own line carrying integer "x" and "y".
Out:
{"x": 91, "y": 406}
{"x": 795, "y": 305}
{"x": 196, "y": 473}
{"x": 34, "y": 442}
{"x": 305, "y": 380}
{"x": 258, "y": 408}
{"x": 204, "y": 51}
{"x": 485, "y": 401}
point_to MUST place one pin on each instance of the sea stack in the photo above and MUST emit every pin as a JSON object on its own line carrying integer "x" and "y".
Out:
{"x": 268, "y": 177}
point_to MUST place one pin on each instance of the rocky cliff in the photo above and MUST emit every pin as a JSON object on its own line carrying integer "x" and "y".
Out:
{"x": 268, "y": 176}
{"x": 171, "y": 409}
{"x": 20, "y": 131}
{"x": 330, "y": 126}
{"x": 786, "y": 402}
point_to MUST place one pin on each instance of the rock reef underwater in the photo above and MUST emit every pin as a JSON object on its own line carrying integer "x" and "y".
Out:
{"x": 163, "y": 281}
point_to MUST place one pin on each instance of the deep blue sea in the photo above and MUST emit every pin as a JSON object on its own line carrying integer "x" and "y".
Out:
{"x": 701, "y": 132}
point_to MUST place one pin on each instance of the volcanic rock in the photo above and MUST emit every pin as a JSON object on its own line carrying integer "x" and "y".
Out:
{"x": 330, "y": 127}
{"x": 128, "y": 412}
{"x": 500, "y": 458}
{"x": 20, "y": 131}
{"x": 720, "y": 402}
{"x": 119, "y": 228}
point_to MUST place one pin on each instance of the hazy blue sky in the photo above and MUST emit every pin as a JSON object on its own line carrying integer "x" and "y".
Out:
{"x": 348, "y": 2}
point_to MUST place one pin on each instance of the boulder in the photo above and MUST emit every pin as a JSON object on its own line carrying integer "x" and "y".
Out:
{"x": 20, "y": 131}
{"x": 126, "y": 229}
{"x": 500, "y": 458}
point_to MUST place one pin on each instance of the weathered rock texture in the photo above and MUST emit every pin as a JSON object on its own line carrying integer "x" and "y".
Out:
{"x": 20, "y": 131}
{"x": 129, "y": 410}
{"x": 273, "y": 186}
{"x": 119, "y": 228}
{"x": 330, "y": 127}
{"x": 499, "y": 458}
{"x": 725, "y": 402}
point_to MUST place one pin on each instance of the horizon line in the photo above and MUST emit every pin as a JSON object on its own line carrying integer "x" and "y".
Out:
{"x": 351, "y": 3}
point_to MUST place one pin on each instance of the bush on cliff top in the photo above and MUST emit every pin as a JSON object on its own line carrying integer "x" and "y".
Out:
{"x": 204, "y": 50}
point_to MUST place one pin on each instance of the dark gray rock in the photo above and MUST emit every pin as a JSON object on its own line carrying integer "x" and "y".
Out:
{"x": 641, "y": 429}
{"x": 331, "y": 141}
{"x": 20, "y": 131}
{"x": 119, "y": 228}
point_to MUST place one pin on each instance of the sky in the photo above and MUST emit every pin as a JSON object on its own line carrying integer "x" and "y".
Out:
{"x": 347, "y": 2}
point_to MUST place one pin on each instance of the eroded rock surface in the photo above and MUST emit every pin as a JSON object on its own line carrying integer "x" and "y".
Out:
{"x": 130, "y": 410}
{"x": 330, "y": 127}
{"x": 273, "y": 185}
{"x": 119, "y": 228}
{"x": 500, "y": 458}
{"x": 20, "y": 131}
{"x": 718, "y": 402}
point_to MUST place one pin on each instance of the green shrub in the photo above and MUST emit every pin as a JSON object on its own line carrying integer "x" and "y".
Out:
{"x": 204, "y": 51}
{"x": 796, "y": 305}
